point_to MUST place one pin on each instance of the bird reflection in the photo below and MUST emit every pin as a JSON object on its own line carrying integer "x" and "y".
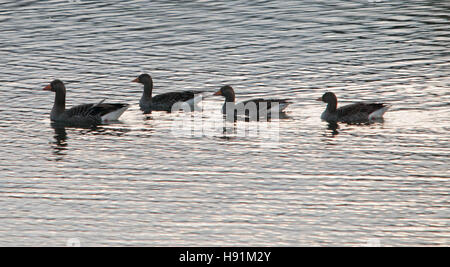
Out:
{"x": 230, "y": 129}
{"x": 104, "y": 131}
{"x": 148, "y": 117}
{"x": 333, "y": 126}
{"x": 60, "y": 144}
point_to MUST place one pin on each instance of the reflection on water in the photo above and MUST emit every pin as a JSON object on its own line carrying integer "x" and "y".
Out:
{"x": 60, "y": 143}
{"x": 112, "y": 130}
{"x": 333, "y": 126}
{"x": 141, "y": 182}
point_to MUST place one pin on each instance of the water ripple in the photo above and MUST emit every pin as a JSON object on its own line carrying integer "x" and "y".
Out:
{"x": 137, "y": 183}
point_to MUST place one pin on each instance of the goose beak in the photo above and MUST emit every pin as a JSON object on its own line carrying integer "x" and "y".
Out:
{"x": 218, "y": 93}
{"x": 319, "y": 99}
{"x": 47, "y": 88}
{"x": 135, "y": 80}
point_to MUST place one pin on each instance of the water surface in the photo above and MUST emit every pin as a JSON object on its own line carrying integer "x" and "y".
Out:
{"x": 136, "y": 182}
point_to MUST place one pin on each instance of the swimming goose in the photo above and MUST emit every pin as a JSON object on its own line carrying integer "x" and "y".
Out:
{"x": 354, "y": 113}
{"x": 263, "y": 106}
{"x": 164, "y": 102}
{"x": 91, "y": 114}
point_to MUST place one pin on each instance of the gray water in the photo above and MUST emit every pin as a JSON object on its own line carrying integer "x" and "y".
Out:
{"x": 136, "y": 182}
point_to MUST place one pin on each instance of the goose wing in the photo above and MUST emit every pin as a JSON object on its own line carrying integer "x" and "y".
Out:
{"x": 359, "y": 108}
{"x": 358, "y": 111}
{"x": 174, "y": 97}
{"x": 268, "y": 102}
{"x": 93, "y": 111}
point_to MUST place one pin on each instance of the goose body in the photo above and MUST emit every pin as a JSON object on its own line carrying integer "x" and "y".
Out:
{"x": 87, "y": 114}
{"x": 164, "y": 102}
{"x": 354, "y": 113}
{"x": 261, "y": 106}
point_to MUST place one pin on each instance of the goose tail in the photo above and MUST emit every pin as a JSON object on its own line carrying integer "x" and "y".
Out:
{"x": 115, "y": 113}
{"x": 378, "y": 114}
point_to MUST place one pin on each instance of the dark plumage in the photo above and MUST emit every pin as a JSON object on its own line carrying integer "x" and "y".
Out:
{"x": 262, "y": 106}
{"x": 162, "y": 102}
{"x": 90, "y": 114}
{"x": 354, "y": 113}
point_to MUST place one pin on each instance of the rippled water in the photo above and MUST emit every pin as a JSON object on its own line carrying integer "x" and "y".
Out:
{"x": 138, "y": 183}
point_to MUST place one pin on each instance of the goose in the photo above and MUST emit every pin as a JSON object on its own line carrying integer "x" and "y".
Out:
{"x": 354, "y": 113}
{"x": 91, "y": 114}
{"x": 164, "y": 102}
{"x": 263, "y": 106}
